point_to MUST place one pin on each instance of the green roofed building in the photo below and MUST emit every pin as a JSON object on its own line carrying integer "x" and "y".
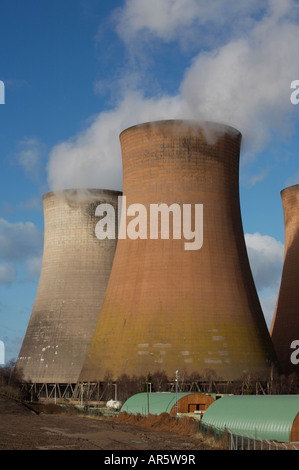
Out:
{"x": 267, "y": 417}
{"x": 163, "y": 402}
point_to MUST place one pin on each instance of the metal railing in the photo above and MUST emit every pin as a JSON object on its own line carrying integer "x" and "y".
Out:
{"x": 235, "y": 441}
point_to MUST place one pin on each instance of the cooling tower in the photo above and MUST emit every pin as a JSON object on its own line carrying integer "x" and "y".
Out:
{"x": 285, "y": 324}
{"x": 74, "y": 275}
{"x": 171, "y": 305}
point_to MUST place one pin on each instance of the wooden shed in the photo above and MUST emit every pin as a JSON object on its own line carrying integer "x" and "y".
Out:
{"x": 192, "y": 403}
{"x": 161, "y": 402}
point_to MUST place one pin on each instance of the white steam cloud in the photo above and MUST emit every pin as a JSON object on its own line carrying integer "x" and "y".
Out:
{"x": 243, "y": 82}
{"x": 92, "y": 159}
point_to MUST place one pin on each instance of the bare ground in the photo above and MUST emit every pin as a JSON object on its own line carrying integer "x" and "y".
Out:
{"x": 48, "y": 428}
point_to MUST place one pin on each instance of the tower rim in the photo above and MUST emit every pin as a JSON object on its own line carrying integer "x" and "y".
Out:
{"x": 192, "y": 123}
{"x": 93, "y": 191}
{"x": 293, "y": 187}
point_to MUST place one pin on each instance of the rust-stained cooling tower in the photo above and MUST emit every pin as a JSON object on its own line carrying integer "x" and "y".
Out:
{"x": 285, "y": 324}
{"x": 167, "y": 307}
{"x": 74, "y": 275}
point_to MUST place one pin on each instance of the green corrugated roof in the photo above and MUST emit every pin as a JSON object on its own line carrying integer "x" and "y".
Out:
{"x": 159, "y": 402}
{"x": 268, "y": 417}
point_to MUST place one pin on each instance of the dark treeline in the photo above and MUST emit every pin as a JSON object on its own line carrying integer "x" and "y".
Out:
{"x": 275, "y": 384}
{"x": 125, "y": 386}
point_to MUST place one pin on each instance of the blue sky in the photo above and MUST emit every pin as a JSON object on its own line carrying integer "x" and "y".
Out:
{"x": 78, "y": 72}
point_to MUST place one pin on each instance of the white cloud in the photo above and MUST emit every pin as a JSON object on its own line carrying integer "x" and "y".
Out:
{"x": 21, "y": 246}
{"x": 244, "y": 83}
{"x": 34, "y": 265}
{"x": 268, "y": 304}
{"x": 93, "y": 158}
{"x": 19, "y": 240}
{"x": 266, "y": 259}
{"x": 258, "y": 177}
{"x": 161, "y": 19}
{"x": 8, "y": 273}
{"x": 30, "y": 157}
{"x": 172, "y": 20}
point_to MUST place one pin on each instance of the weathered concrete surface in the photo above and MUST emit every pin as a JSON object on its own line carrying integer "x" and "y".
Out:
{"x": 167, "y": 308}
{"x": 285, "y": 323}
{"x": 74, "y": 275}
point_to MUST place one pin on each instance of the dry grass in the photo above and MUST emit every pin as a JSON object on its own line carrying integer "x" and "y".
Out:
{"x": 184, "y": 426}
{"x": 163, "y": 422}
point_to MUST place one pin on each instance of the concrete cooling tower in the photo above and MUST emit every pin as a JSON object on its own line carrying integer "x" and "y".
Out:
{"x": 75, "y": 271}
{"x": 186, "y": 302}
{"x": 285, "y": 324}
